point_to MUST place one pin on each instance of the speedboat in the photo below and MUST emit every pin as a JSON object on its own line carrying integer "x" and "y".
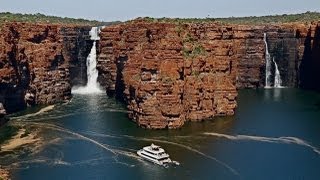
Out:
{"x": 156, "y": 154}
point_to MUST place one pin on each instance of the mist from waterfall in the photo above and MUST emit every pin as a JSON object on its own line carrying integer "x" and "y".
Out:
{"x": 277, "y": 77}
{"x": 92, "y": 87}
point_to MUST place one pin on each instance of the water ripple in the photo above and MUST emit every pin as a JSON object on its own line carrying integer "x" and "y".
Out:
{"x": 282, "y": 140}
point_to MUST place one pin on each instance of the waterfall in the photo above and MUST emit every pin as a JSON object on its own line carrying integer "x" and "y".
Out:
{"x": 92, "y": 86}
{"x": 94, "y": 33}
{"x": 277, "y": 77}
{"x": 268, "y": 64}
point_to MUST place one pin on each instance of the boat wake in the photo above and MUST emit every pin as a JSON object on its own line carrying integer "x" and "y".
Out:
{"x": 185, "y": 147}
{"x": 117, "y": 151}
{"x": 281, "y": 140}
{"x": 57, "y": 128}
{"x": 114, "y": 151}
{"x": 59, "y": 162}
{"x": 168, "y": 142}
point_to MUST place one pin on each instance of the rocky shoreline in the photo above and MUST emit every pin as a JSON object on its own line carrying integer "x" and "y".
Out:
{"x": 4, "y": 174}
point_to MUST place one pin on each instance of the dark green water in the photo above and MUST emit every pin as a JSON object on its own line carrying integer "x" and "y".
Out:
{"x": 275, "y": 134}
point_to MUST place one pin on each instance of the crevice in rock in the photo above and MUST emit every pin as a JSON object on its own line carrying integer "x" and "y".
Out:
{"x": 306, "y": 63}
{"x": 77, "y": 48}
{"x": 38, "y": 38}
{"x": 149, "y": 35}
{"x": 120, "y": 85}
{"x": 310, "y": 64}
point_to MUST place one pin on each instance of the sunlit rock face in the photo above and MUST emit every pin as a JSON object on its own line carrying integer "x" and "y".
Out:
{"x": 166, "y": 73}
{"x": 35, "y": 63}
{"x": 171, "y": 73}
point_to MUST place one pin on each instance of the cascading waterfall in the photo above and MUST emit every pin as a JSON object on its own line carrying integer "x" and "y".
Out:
{"x": 277, "y": 77}
{"x": 268, "y": 63}
{"x": 92, "y": 86}
{"x": 94, "y": 33}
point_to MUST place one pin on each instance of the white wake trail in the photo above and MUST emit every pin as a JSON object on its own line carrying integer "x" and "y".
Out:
{"x": 57, "y": 128}
{"x": 166, "y": 142}
{"x": 280, "y": 140}
{"x": 186, "y": 147}
{"x": 116, "y": 152}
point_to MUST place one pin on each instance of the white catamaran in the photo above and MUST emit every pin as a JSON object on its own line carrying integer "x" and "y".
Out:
{"x": 156, "y": 155}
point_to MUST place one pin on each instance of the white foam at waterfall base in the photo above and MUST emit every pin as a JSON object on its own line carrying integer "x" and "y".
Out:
{"x": 92, "y": 87}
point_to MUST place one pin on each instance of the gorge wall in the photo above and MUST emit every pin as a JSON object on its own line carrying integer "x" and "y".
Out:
{"x": 35, "y": 63}
{"x": 76, "y": 48}
{"x": 310, "y": 57}
{"x": 169, "y": 73}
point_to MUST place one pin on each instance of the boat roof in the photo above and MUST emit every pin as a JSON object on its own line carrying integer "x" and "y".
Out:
{"x": 154, "y": 148}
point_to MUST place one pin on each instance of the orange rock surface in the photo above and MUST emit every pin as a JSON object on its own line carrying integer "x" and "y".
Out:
{"x": 166, "y": 73}
{"x": 171, "y": 73}
{"x": 34, "y": 64}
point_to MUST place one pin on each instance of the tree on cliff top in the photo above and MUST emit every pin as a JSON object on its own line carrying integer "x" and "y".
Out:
{"x": 255, "y": 20}
{"x": 41, "y": 18}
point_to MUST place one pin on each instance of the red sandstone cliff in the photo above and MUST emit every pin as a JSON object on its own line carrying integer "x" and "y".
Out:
{"x": 34, "y": 64}
{"x": 166, "y": 73}
{"x": 309, "y": 53}
{"x": 170, "y": 73}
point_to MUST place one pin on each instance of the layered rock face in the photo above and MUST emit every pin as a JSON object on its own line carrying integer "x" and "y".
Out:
{"x": 77, "y": 45}
{"x": 166, "y": 73}
{"x": 282, "y": 46}
{"x": 34, "y": 64}
{"x": 295, "y": 49}
{"x": 170, "y": 73}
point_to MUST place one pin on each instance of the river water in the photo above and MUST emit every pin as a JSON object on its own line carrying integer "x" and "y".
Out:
{"x": 273, "y": 135}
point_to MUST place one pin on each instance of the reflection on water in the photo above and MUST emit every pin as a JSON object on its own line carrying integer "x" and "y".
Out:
{"x": 274, "y": 134}
{"x": 277, "y": 94}
{"x": 273, "y": 94}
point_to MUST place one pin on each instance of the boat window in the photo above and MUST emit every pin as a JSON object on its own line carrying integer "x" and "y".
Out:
{"x": 150, "y": 156}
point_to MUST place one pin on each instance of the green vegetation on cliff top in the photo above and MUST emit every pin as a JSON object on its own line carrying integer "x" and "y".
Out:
{"x": 252, "y": 20}
{"x": 41, "y": 18}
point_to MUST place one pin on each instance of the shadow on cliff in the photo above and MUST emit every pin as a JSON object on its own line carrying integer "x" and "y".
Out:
{"x": 120, "y": 85}
{"x": 12, "y": 92}
{"x": 310, "y": 64}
